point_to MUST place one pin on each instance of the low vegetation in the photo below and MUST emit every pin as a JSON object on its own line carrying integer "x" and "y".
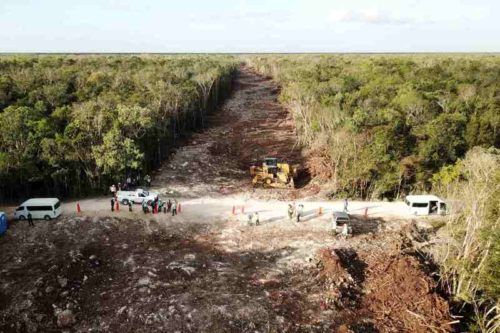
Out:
{"x": 72, "y": 124}
{"x": 383, "y": 125}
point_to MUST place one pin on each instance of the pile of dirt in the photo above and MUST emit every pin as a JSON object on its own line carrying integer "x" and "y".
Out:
{"x": 380, "y": 292}
{"x": 401, "y": 297}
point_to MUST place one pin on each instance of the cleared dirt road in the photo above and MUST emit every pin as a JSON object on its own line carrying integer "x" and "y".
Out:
{"x": 250, "y": 126}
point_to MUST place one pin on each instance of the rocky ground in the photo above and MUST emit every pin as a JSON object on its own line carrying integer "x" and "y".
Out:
{"x": 206, "y": 270}
{"x": 111, "y": 274}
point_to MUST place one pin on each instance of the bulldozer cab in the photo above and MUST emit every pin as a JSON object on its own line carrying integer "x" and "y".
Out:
{"x": 271, "y": 165}
{"x": 271, "y": 162}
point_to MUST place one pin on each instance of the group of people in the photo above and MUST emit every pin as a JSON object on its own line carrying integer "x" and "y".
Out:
{"x": 253, "y": 219}
{"x": 155, "y": 206}
{"x": 129, "y": 184}
{"x": 295, "y": 212}
{"x": 158, "y": 205}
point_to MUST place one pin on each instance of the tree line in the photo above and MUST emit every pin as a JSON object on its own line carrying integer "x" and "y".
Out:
{"x": 71, "y": 124}
{"x": 384, "y": 125}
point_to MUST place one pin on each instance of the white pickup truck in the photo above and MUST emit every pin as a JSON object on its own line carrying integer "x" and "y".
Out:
{"x": 136, "y": 197}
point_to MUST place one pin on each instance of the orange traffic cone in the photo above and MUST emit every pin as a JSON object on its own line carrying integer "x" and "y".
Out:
{"x": 117, "y": 206}
{"x": 78, "y": 209}
{"x": 179, "y": 208}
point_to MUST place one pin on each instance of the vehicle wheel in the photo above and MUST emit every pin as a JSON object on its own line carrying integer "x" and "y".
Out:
{"x": 46, "y": 217}
{"x": 21, "y": 217}
{"x": 125, "y": 202}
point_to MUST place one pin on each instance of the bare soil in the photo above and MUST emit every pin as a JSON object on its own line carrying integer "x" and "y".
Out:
{"x": 249, "y": 127}
{"x": 206, "y": 270}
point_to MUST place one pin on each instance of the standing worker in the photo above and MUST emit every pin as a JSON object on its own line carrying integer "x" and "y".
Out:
{"x": 174, "y": 208}
{"x": 345, "y": 230}
{"x": 256, "y": 218}
{"x": 30, "y": 220}
{"x": 112, "y": 189}
{"x": 113, "y": 204}
{"x": 345, "y": 205}
{"x": 250, "y": 219}
{"x": 300, "y": 211}
{"x": 147, "y": 179}
{"x": 144, "y": 206}
{"x": 169, "y": 205}
{"x": 152, "y": 206}
{"x": 290, "y": 212}
{"x": 130, "y": 206}
{"x": 334, "y": 223}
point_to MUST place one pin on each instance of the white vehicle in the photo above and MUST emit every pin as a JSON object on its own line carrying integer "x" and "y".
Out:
{"x": 341, "y": 221}
{"x": 425, "y": 205}
{"x": 136, "y": 197}
{"x": 40, "y": 208}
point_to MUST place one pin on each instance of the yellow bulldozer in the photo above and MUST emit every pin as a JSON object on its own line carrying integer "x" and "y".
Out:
{"x": 273, "y": 174}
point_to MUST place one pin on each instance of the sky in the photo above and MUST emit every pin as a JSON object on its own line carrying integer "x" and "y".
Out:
{"x": 249, "y": 26}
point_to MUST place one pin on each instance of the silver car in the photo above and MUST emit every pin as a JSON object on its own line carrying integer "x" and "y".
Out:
{"x": 341, "y": 223}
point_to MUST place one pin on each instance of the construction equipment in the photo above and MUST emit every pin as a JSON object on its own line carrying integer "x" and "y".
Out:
{"x": 273, "y": 174}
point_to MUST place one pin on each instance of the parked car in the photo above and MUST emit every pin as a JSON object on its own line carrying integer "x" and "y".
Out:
{"x": 339, "y": 220}
{"x": 136, "y": 197}
{"x": 40, "y": 208}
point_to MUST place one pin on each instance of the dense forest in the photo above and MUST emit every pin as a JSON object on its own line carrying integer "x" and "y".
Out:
{"x": 70, "y": 125}
{"x": 384, "y": 125}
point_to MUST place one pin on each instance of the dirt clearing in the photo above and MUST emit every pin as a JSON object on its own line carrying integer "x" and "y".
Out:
{"x": 110, "y": 274}
{"x": 206, "y": 270}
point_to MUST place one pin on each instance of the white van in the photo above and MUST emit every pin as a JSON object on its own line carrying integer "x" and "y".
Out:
{"x": 425, "y": 205}
{"x": 40, "y": 208}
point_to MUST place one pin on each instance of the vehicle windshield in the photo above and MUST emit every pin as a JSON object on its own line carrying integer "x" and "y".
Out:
{"x": 271, "y": 162}
{"x": 20, "y": 208}
{"x": 146, "y": 193}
